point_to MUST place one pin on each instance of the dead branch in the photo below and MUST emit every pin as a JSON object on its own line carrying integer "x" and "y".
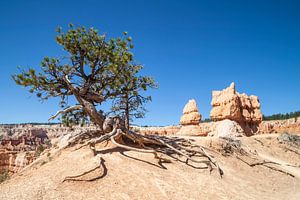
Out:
{"x": 262, "y": 144}
{"x": 279, "y": 170}
{"x": 292, "y": 150}
{"x": 69, "y": 109}
{"x": 235, "y": 147}
{"x": 264, "y": 164}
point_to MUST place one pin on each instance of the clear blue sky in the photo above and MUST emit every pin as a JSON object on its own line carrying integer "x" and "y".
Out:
{"x": 190, "y": 47}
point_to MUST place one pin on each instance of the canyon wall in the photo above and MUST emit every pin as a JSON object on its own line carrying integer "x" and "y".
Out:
{"x": 18, "y": 150}
{"x": 21, "y": 144}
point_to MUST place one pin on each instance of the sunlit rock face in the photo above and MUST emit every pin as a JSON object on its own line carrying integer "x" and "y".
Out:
{"x": 16, "y": 153}
{"x": 18, "y": 148}
{"x": 14, "y": 161}
{"x": 19, "y": 143}
{"x": 226, "y": 128}
{"x": 291, "y": 126}
{"x": 244, "y": 109}
{"x": 225, "y": 105}
{"x": 165, "y": 130}
{"x": 190, "y": 120}
{"x": 191, "y": 115}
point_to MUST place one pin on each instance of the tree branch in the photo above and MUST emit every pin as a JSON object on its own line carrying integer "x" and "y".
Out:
{"x": 69, "y": 109}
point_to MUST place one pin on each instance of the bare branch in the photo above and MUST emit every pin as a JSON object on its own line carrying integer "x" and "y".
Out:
{"x": 69, "y": 109}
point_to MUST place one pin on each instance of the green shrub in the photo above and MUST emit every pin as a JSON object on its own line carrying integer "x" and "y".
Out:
{"x": 39, "y": 150}
{"x": 4, "y": 176}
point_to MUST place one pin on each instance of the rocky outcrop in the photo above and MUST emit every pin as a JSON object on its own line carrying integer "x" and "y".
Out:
{"x": 166, "y": 130}
{"x": 291, "y": 126}
{"x": 13, "y": 161}
{"x": 225, "y": 105}
{"x": 202, "y": 129}
{"x": 250, "y": 108}
{"x": 190, "y": 120}
{"x": 19, "y": 144}
{"x": 226, "y": 128}
{"x": 216, "y": 129}
{"x": 244, "y": 109}
{"x": 191, "y": 115}
{"x": 20, "y": 149}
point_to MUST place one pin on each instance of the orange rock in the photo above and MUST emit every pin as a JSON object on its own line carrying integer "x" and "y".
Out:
{"x": 291, "y": 126}
{"x": 192, "y": 130}
{"x": 190, "y": 121}
{"x": 229, "y": 104}
{"x": 191, "y": 115}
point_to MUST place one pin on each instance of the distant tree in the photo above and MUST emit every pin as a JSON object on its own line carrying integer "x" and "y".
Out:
{"x": 281, "y": 116}
{"x": 206, "y": 120}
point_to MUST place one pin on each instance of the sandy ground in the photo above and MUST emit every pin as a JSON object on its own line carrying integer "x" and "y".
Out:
{"x": 132, "y": 175}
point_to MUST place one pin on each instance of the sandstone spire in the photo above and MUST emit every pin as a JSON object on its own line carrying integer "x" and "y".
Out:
{"x": 190, "y": 120}
{"x": 191, "y": 115}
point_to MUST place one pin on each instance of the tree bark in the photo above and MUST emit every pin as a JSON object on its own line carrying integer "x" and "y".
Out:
{"x": 126, "y": 112}
{"x": 88, "y": 106}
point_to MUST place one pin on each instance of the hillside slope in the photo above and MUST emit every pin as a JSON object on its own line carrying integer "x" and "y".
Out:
{"x": 132, "y": 175}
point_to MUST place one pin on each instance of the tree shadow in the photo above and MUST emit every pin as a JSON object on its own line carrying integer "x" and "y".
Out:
{"x": 102, "y": 175}
{"x": 188, "y": 163}
{"x": 159, "y": 163}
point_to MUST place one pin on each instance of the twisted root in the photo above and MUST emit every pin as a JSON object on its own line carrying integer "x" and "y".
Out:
{"x": 173, "y": 147}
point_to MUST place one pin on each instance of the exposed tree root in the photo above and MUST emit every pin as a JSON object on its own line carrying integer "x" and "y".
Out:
{"x": 119, "y": 133}
{"x": 279, "y": 170}
{"x": 173, "y": 147}
{"x": 262, "y": 144}
{"x": 98, "y": 139}
{"x": 252, "y": 164}
{"x": 292, "y": 150}
{"x": 243, "y": 155}
{"x": 76, "y": 177}
{"x": 265, "y": 164}
{"x": 178, "y": 146}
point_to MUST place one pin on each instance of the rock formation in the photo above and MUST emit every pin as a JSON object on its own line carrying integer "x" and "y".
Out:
{"x": 291, "y": 126}
{"x": 226, "y": 128}
{"x": 166, "y": 130}
{"x": 190, "y": 120}
{"x": 19, "y": 143}
{"x": 229, "y": 104}
{"x": 19, "y": 148}
{"x": 13, "y": 161}
{"x": 191, "y": 115}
